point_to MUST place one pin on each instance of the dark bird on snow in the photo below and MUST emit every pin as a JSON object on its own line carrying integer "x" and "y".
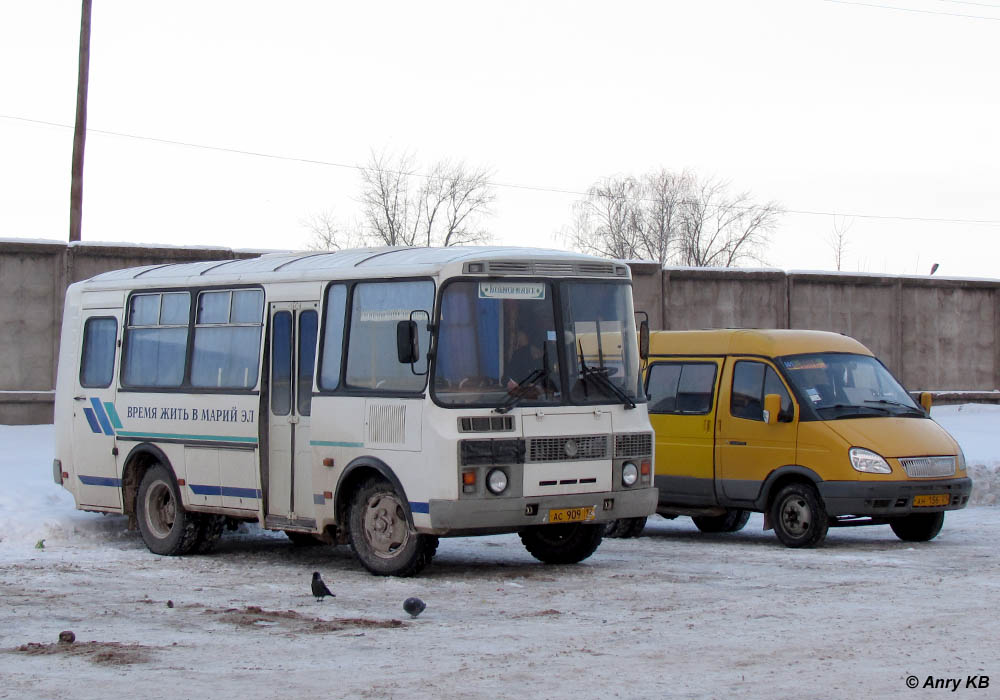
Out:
{"x": 319, "y": 588}
{"x": 414, "y": 606}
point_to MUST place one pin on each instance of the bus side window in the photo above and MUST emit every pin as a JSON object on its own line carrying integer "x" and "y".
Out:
{"x": 97, "y": 365}
{"x": 307, "y": 361}
{"x": 333, "y": 337}
{"x": 227, "y": 339}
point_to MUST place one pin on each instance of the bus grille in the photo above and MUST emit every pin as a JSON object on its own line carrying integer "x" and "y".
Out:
{"x": 633, "y": 445}
{"x": 928, "y": 466}
{"x": 572, "y": 448}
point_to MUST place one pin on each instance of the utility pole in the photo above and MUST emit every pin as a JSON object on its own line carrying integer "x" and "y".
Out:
{"x": 80, "y": 133}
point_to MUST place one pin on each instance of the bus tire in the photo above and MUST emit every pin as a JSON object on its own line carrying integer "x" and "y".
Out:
{"x": 567, "y": 543}
{"x": 733, "y": 520}
{"x": 211, "y": 530}
{"x": 799, "y": 516}
{"x": 625, "y": 528}
{"x": 380, "y": 532}
{"x": 918, "y": 527}
{"x": 165, "y": 526}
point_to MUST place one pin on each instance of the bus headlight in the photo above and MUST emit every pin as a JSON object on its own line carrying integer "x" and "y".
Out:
{"x": 869, "y": 462}
{"x": 630, "y": 473}
{"x": 496, "y": 481}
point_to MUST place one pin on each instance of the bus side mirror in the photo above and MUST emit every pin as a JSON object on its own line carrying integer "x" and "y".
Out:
{"x": 926, "y": 400}
{"x": 644, "y": 340}
{"x": 772, "y": 407}
{"x": 407, "y": 342}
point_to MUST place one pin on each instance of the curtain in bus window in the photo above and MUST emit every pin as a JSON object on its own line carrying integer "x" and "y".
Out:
{"x": 333, "y": 337}
{"x": 307, "y": 360}
{"x": 372, "y": 360}
{"x": 98, "y": 362}
{"x": 226, "y": 352}
{"x": 155, "y": 356}
{"x": 469, "y": 341}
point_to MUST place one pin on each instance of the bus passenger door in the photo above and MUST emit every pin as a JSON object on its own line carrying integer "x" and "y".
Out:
{"x": 95, "y": 420}
{"x": 293, "y": 330}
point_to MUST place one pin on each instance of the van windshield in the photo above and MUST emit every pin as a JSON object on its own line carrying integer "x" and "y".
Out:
{"x": 843, "y": 385}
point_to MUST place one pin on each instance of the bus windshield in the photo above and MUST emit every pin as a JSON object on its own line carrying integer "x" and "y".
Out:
{"x": 842, "y": 385}
{"x": 502, "y": 343}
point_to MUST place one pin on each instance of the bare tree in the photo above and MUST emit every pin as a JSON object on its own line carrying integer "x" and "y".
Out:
{"x": 719, "y": 230}
{"x": 400, "y": 206}
{"x": 837, "y": 240}
{"x": 329, "y": 234}
{"x": 666, "y": 217}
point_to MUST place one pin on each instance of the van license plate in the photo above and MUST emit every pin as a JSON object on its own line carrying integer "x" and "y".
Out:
{"x": 934, "y": 499}
{"x": 572, "y": 515}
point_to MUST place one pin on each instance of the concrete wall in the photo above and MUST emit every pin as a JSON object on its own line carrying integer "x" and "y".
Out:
{"x": 33, "y": 281}
{"x": 935, "y": 334}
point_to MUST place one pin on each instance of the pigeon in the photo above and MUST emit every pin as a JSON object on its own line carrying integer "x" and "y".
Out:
{"x": 319, "y": 588}
{"x": 414, "y": 606}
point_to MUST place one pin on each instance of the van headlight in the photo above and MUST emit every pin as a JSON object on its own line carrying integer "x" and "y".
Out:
{"x": 869, "y": 462}
{"x": 960, "y": 460}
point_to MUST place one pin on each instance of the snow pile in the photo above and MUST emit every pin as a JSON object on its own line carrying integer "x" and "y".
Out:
{"x": 32, "y": 506}
{"x": 976, "y": 427}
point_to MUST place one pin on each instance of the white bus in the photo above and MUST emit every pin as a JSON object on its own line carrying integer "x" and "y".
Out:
{"x": 378, "y": 397}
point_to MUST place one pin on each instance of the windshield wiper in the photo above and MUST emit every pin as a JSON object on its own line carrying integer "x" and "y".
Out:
{"x": 520, "y": 392}
{"x": 600, "y": 375}
{"x": 911, "y": 410}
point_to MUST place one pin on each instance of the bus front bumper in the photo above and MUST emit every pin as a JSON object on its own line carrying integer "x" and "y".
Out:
{"x": 495, "y": 515}
{"x": 894, "y": 497}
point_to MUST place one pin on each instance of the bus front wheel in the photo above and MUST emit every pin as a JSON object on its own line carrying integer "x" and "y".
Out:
{"x": 165, "y": 526}
{"x": 381, "y": 536}
{"x": 567, "y": 543}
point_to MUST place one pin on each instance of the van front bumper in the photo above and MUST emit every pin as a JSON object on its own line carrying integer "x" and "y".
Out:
{"x": 892, "y": 497}
{"x": 495, "y": 515}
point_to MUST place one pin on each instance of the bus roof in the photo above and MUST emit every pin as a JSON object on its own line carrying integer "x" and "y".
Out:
{"x": 365, "y": 262}
{"x": 751, "y": 341}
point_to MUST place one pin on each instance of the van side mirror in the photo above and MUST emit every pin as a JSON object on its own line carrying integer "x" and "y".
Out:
{"x": 772, "y": 407}
{"x": 926, "y": 400}
{"x": 407, "y": 342}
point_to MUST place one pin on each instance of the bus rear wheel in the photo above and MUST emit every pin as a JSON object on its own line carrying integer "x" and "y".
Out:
{"x": 919, "y": 527}
{"x": 568, "y": 543}
{"x": 733, "y": 520}
{"x": 165, "y": 526}
{"x": 381, "y": 536}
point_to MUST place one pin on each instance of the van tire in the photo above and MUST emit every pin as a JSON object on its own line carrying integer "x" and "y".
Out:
{"x": 381, "y": 535}
{"x": 733, "y": 520}
{"x": 566, "y": 543}
{"x": 799, "y": 516}
{"x": 165, "y": 526}
{"x": 918, "y": 527}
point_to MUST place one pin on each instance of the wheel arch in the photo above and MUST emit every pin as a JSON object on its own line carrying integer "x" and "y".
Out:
{"x": 357, "y": 472}
{"x": 779, "y": 478}
{"x": 140, "y": 458}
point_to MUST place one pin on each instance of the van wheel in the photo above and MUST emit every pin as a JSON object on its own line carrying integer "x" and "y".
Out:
{"x": 919, "y": 527}
{"x": 165, "y": 526}
{"x": 381, "y": 536}
{"x": 568, "y": 543}
{"x": 799, "y": 516}
{"x": 733, "y": 520}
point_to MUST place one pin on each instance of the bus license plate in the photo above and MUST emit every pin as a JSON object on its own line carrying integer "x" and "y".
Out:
{"x": 934, "y": 499}
{"x": 572, "y": 515}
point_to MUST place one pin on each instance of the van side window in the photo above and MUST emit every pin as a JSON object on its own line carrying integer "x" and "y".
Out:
{"x": 752, "y": 381}
{"x": 681, "y": 387}
{"x": 98, "y": 362}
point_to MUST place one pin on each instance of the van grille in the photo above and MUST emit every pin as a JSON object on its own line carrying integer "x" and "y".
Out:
{"x": 633, "y": 445}
{"x": 928, "y": 466}
{"x": 573, "y": 448}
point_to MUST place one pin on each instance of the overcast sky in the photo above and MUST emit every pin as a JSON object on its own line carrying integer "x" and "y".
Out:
{"x": 888, "y": 108}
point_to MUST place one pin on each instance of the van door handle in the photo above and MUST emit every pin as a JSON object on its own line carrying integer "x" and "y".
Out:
{"x": 737, "y": 442}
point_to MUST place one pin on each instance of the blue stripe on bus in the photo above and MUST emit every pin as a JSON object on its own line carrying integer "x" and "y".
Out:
{"x": 99, "y": 481}
{"x": 419, "y": 507}
{"x": 92, "y": 419}
{"x": 113, "y": 415}
{"x": 232, "y": 491}
{"x": 102, "y": 416}
{"x": 329, "y": 443}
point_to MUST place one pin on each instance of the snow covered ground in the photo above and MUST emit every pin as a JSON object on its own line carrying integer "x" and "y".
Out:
{"x": 675, "y": 613}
